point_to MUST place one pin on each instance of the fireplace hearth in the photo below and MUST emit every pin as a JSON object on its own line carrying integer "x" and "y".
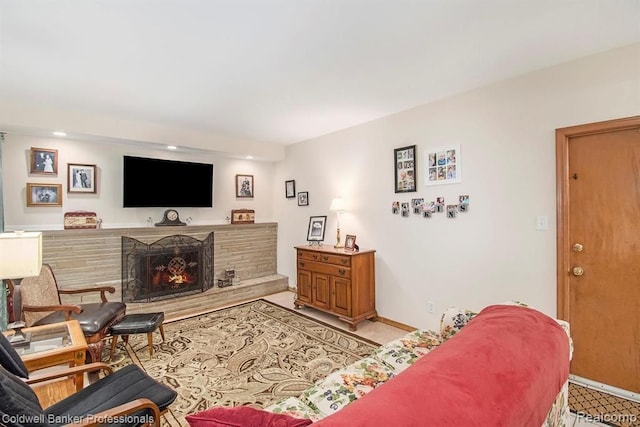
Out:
{"x": 169, "y": 267}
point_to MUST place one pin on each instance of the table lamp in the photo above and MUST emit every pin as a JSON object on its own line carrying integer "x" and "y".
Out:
{"x": 337, "y": 206}
{"x": 20, "y": 257}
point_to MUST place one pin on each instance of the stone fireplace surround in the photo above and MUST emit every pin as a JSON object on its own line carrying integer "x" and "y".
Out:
{"x": 82, "y": 258}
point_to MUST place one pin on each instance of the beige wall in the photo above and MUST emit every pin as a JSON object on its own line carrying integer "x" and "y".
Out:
{"x": 492, "y": 253}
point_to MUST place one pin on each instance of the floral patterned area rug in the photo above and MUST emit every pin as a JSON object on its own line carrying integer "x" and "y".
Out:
{"x": 251, "y": 354}
{"x": 596, "y": 406}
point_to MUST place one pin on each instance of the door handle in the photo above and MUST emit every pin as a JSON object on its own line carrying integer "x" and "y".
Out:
{"x": 577, "y": 247}
{"x": 577, "y": 271}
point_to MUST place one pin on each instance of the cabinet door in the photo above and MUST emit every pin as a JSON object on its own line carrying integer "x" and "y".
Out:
{"x": 321, "y": 290}
{"x": 341, "y": 296}
{"x": 304, "y": 285}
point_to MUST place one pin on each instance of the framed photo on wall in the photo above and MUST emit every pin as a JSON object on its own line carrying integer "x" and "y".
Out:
{"x": 303, "y": 198}
{"x": 316, "y": 230}
{"x": 244, "y": 186}
{"x": 44, "y": 194}
{"x": 404, "y": 163}
{"x": 443, "y": 165}
{"x": 81, "y": 178}
{"x": 44, "y": 161}
{"x": 290, "y": 189}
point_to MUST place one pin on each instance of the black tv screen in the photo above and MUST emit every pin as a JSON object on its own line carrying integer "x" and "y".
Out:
{"x": 156, "y": 183}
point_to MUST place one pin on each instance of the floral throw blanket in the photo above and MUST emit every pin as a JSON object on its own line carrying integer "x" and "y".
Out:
{"x": 504, "y": 368}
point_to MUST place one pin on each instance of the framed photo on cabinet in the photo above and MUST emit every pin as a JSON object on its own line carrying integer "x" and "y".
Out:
{"x": 350, "y": 242}
{"x": 316, "y": 230}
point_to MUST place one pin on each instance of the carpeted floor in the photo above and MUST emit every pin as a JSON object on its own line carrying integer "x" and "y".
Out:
{"x": 595, "y": 406}
{"x": 251, "y": 354}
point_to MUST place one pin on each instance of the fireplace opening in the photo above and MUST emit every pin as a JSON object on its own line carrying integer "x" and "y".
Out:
{"x": 172, "y": 266}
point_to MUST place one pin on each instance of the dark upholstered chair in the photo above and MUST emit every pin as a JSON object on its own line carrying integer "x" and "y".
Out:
{"x": 127, "y": 397}
{"x": 41, "y": 305}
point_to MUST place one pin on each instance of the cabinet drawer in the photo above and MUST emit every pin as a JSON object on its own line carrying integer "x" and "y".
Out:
{"x": 344, "y": 261}
{"x": 333, "y": 270}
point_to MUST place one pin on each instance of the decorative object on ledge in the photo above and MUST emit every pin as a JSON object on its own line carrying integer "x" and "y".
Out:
{"x": 243, "y": 216}
{"x": 316, "y": 228}
{"x": 80, "y": 220}
{"x": 337, "y": 206}
{"x": 81, "y": 178}
{"x": 44, "y": 195}
{"x": 229, "y": 274}
{"x": 303, "y": 198}
{"x": 405, "y": 169}
{"x": 244, "y": 186}
{"x": 173, "y": 265}
{"x": 44, "y": 161}
{"x": 290, "y": 189}
{"x": 170, "y": 217}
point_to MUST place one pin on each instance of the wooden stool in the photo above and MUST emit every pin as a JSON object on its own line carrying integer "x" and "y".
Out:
{"x": 137, "y": 324}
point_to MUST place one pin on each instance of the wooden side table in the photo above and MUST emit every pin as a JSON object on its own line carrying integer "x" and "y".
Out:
{"x": 52, "y": 345}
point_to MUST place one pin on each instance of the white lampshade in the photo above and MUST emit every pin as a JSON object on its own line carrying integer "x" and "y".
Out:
{"x": 337, "y": 205}
{"x": 20, "y": 255}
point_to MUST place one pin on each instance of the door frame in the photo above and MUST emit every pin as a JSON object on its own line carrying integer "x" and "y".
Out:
{"x": 563, "y": 135}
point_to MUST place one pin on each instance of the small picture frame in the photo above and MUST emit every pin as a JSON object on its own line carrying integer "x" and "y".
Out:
{"x": 44, "y": 161}
{"x": 81, "y": 178}
{"x": 44, "y": 195}
{"x": 290, "y": 189}
{"x": 404, "y": 161}
{"x": 350, "y": 242}
{"x": 244, "y": 186}
{"x": 316, "y": 230}
{"x": 303, "y": 198}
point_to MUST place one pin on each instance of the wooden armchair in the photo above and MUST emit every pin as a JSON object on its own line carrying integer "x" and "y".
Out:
{"x": 128, "y": 395}
{"x": 41, "y": 305}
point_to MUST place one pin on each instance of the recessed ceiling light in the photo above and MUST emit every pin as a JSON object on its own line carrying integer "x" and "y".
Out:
{"x": 58, "y": 133}
{"x": 249, "y": 157}
{"x": 172, "y": 147}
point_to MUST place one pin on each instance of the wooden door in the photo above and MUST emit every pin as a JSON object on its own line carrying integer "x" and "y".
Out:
{"x": 599, "y": 249}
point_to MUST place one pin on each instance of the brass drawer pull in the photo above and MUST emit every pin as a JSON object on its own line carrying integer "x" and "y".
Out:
{"x": 344, "y": 261}
{"x": 341, "y": 271}
{"x": 301, "y": 264}
{"x": 325, "y": 258}
{"x": 315, "y": 256}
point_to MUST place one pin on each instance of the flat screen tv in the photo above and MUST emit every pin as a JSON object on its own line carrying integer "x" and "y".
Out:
{"x": 157, "y": 183}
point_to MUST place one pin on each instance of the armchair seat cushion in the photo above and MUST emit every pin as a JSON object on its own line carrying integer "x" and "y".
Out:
{"x": 94, "y": 317}
{"x": 122, "y": 386}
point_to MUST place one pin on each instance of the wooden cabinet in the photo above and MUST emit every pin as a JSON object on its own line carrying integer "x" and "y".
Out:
{"x": 337, "y": 281}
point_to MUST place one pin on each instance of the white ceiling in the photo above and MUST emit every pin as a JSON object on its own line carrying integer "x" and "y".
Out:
{"x": 283, "y": 71}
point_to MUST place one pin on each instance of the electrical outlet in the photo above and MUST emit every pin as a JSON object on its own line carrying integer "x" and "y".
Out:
{"x": 431, "y": 307}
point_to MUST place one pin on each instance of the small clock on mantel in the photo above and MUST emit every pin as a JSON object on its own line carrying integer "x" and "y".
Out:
{"x": 171, "y": 217}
